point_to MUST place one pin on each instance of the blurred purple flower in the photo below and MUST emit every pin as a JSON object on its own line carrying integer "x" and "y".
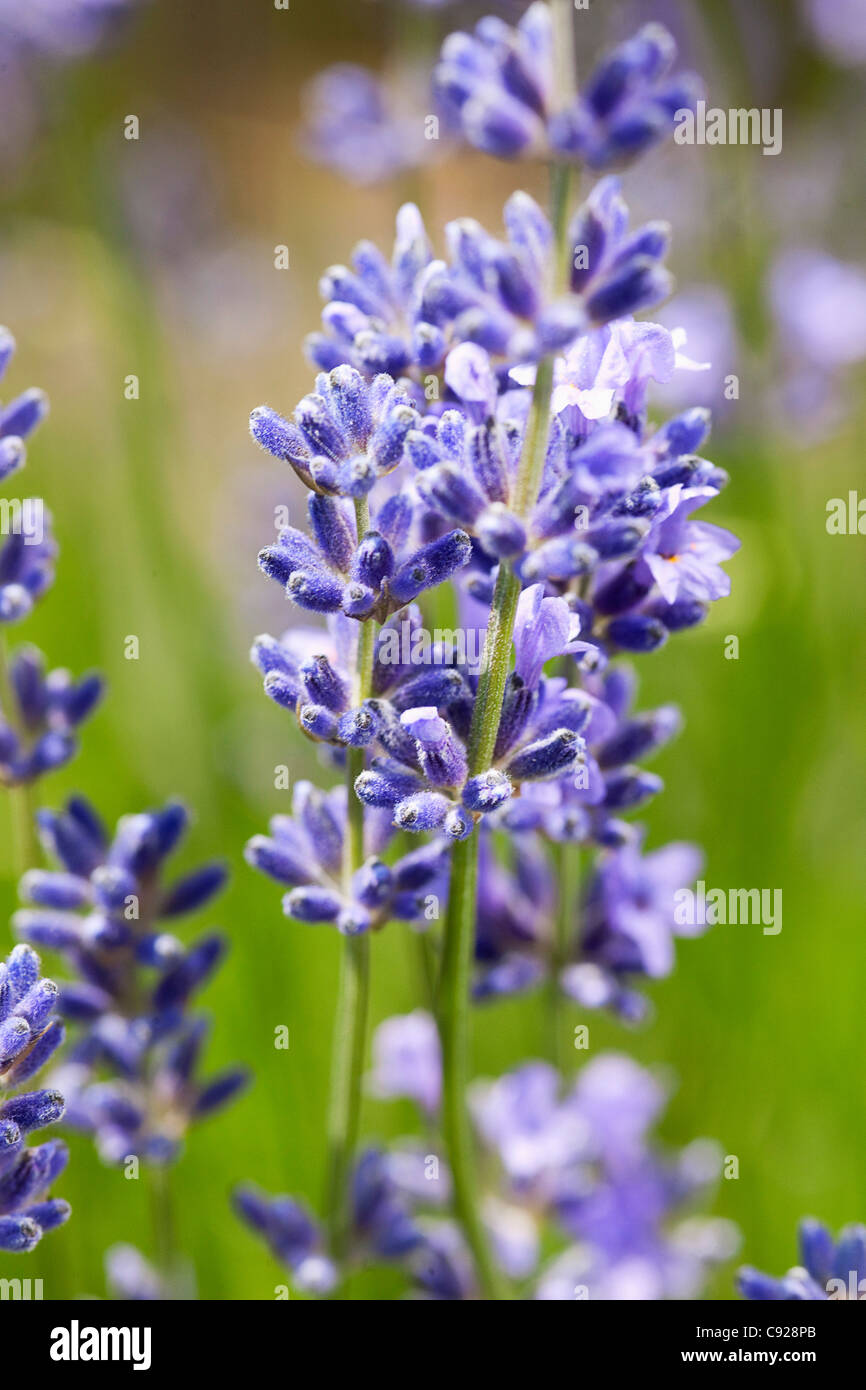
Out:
{"x": 407, "y": 1060}
{"x": 360, "y": 126}
{"x": 839, "y": 27}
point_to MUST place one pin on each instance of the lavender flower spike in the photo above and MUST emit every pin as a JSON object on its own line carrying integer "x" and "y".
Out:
{"x": 39, "y": 733}
{"x": 131, "y": 1078}
{"x": 30, "y": 1033}
{"x": 498, "y": 84}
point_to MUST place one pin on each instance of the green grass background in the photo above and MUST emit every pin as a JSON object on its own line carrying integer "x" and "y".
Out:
{"x": 160, "y": 505}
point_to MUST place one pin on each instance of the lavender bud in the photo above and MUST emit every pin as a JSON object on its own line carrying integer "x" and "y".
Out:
{"x": 637, "y": 633}
{"x": 422, "y": 811}
{"x": 192, "y": 892}
{"x": 487, "y": 791}
{"x": 548, "y": 757}
{"x": 315, "y": 590}
{"x": 311, "y": 903}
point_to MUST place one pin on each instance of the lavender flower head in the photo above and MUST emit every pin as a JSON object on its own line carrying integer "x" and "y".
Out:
{"x": 498, "y": 83}
{"x": 828, "y": 1269}
{"x": 615, "y": 513}
{"x": 38, "y": 734}
{"x": 292, "y": 1235}
{"x": 27, "y": 558}
{"x": 131, "y": 1076}
{"x": 30, "y": 1033}
{"x": 629, "y": 923}
{"x": 404, "y": 317}
{"x": 304, "y": 852}
{"x": 363, "y": 127}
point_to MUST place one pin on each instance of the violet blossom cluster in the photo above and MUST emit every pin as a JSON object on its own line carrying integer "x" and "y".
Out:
{"x": 579, "y": 1160}
{"x": 30, "y": 1032}
{"x": 829, "y": 1269}
{"x": 412, "y": 448}
{"x": 131, "y": 1077}
{"x": 500, "y": 84}
{"x": 403, "y": 315}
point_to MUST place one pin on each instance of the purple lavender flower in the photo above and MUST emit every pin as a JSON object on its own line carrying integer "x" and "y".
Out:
{"x": 304, "y": 852}
{"x": 614, "y": 511}
{"x": 30, "y": 1033}
{"x": 498, "y": 83}
{"x": 344, "y": 436}
{"x": 681, "y": 557}
{"x": 407, "y": 1060}
{"x": 26, "y": 559}
{"x": 60, "y": 28}
{"x": 403, "y": 318}
{"x": 584, "y": 1158}
{"x": 39, "y": 733}
{"x": 424, "y": 775}
{"x": 382, "y": 1225}
{"x": 131, "y": 1278}
{"x": 292, "y": 1234}
{"x": 840, "y": 28}
{"x": 131, "y": 1078}
{"x": 19, "y": 417}
{"x": 375, "y": 317}
{"x": 629, "y": 922}
{"x": 418, "y": 424}
{"x": 364, "y": 128}
{"x": 535, "y": 1135}
{"x": 829, "y": 1269}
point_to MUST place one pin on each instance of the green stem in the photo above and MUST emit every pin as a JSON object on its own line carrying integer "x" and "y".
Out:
{"x": 350, "y": 1028}
{"x": 566, "y": 862}
{"x": 162, "y": 1220}
{"x": 457, "y": 949}
{"x": 23, "y": 812}
{"x": 454, "y": 985}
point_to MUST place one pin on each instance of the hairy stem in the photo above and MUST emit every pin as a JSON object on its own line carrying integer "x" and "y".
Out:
{"x": 454, "y": 987}
{"x": 350, "y": 1028}
{"x": 459, "y": 937}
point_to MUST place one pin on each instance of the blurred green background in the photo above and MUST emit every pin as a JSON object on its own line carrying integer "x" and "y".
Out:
{"x": 155, "y": 258}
